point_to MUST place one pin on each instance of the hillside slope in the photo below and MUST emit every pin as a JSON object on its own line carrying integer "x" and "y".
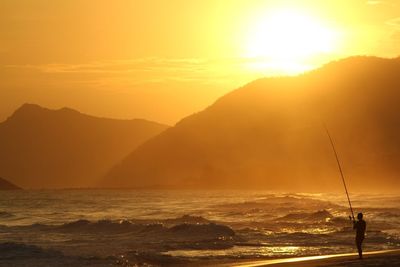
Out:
{"x": 6, "y": 185}
{"x": 42, "y": 148}
{"x": 270, "y": 135}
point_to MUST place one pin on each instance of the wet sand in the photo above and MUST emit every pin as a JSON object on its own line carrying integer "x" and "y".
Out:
{"x": 373, "y": 258}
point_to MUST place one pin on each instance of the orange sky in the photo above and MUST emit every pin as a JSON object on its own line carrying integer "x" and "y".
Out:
{"x": 165, "y": 59}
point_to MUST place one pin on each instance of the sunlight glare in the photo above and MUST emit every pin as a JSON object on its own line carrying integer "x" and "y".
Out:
{"x": 287, "y": 38}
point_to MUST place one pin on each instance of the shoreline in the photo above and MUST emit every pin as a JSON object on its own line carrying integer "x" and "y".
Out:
{"x": 372, "y": 257}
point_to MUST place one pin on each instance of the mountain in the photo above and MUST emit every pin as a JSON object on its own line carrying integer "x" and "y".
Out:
{"x": 270, "y": 134}
{"x": 43, "y": 148}
{"x": 6, "y": 185}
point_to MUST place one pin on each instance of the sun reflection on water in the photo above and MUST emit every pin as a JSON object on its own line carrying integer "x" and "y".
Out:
{"x": 243, "y": 251}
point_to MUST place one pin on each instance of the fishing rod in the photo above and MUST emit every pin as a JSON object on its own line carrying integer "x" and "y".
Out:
{"x": 341, "y": 171}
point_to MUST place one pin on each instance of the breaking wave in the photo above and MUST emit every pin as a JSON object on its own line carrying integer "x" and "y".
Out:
{"x": 322, "y": 215}
{"x": 157, "y": 233}
{"x": 193, "y": 230}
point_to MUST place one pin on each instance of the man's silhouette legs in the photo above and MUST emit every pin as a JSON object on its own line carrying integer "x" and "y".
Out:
{"x": 359, "y": 248}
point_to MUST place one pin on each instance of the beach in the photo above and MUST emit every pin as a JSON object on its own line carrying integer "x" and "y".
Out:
{"x": 373, "y": 258}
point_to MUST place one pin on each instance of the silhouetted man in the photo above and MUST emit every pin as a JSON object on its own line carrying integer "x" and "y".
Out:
{"x": 360, "y": 227}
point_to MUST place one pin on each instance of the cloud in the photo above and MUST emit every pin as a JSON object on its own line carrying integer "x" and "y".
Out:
{"x": 154, "y": 70}
{"x": 164, "y": 72}
{"x": 115, "y": 66}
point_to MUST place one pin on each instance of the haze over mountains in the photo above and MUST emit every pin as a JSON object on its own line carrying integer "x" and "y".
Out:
{"x": 42, "y": 148}
{"x": 270, "y": 135}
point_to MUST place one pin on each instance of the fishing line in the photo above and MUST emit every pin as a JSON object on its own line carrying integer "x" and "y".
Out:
{"x": 340, "y": 169}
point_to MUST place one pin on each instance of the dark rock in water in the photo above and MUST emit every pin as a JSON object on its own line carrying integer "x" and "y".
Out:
{"x": 6, "y": 185}
{"x": 210, "y": 230}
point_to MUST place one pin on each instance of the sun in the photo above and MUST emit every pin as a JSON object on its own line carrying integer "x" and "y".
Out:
{"x": 287, "y": 39}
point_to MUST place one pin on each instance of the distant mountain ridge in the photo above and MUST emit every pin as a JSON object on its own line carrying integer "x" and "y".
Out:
{"x": 6, "y": 185}
{"x": 43, "y": 148}
{"x": 269, "y": 134}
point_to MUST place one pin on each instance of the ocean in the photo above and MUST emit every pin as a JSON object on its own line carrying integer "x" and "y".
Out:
{"x": 184, "y": 228}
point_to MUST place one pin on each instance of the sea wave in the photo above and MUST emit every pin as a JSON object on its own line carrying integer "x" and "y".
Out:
{"x": 200, "y": 231}
{"x": 6, "y": 215}
{"x": 281, "y": 203}
{"x": 321, "y": 215}
{"x": 189, "y": 219}
{"x": 204, "y": 230}
{"x": 138, "y": 227}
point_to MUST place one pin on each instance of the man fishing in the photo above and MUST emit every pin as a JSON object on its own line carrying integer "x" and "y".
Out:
{"x": 360, "y": 227}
